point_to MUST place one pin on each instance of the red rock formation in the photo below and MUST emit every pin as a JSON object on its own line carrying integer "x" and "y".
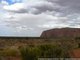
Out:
{"x": 61, "y": 32}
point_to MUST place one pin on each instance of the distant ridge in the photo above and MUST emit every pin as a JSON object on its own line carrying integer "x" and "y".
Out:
{"x": 61, "y": 32}
{"x": 19, "y": 37}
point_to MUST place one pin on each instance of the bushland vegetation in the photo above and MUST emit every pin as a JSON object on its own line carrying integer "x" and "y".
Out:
{"x": 32, "y": 49}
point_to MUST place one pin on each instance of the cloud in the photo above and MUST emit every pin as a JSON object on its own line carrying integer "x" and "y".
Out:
{"x": 39, "y": 6}
{"x": 72, "y": 6}
{"x": 17, "y": 8}
{"x": 4, "y": 2}
{"x": 30, "y": 21}
{"x": 31, "y": 17}
{"x": 32, "y": 6}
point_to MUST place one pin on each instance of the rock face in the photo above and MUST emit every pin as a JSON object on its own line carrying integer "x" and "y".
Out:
{"x": 61, "y": 32}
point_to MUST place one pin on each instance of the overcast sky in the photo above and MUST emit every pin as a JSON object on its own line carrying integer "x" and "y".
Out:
{"x": 31, "y": 17}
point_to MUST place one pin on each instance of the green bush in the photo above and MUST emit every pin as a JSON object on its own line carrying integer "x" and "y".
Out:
{"x": 29, "y": 53}
{"x": 9, "y": 52}
{"x": 40, "y": 51}
{"x": 50, "y": 51}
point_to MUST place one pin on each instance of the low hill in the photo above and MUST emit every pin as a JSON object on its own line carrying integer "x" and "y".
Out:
{"x": 61, "y": 32}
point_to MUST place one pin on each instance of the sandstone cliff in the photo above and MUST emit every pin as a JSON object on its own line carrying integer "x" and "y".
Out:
{"x": 61, "y": 32}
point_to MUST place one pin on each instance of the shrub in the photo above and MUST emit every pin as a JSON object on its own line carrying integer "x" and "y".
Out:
{"x": 40, "y": 51}
{"x": 29, "y": 53}
{"x": 50, "y": 51}
{"x": 9, "y": 52}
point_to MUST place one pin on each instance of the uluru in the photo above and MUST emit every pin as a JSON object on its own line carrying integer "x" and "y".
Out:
{"x": 61, "y": 32}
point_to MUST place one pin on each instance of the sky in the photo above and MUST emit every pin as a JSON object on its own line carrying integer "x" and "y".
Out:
{"x": 31, "y": 17}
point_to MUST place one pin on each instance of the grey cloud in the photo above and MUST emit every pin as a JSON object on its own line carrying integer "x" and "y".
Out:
{"x": 46, "y": 6}
{"x": 38, "y": 8}
{"x": 38, "y": 17}
{"x": 67, "y": 6}
{"x": 19, "y": 11}
{"x": 73, "y": 6}
{"x": 63, "y": 6}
